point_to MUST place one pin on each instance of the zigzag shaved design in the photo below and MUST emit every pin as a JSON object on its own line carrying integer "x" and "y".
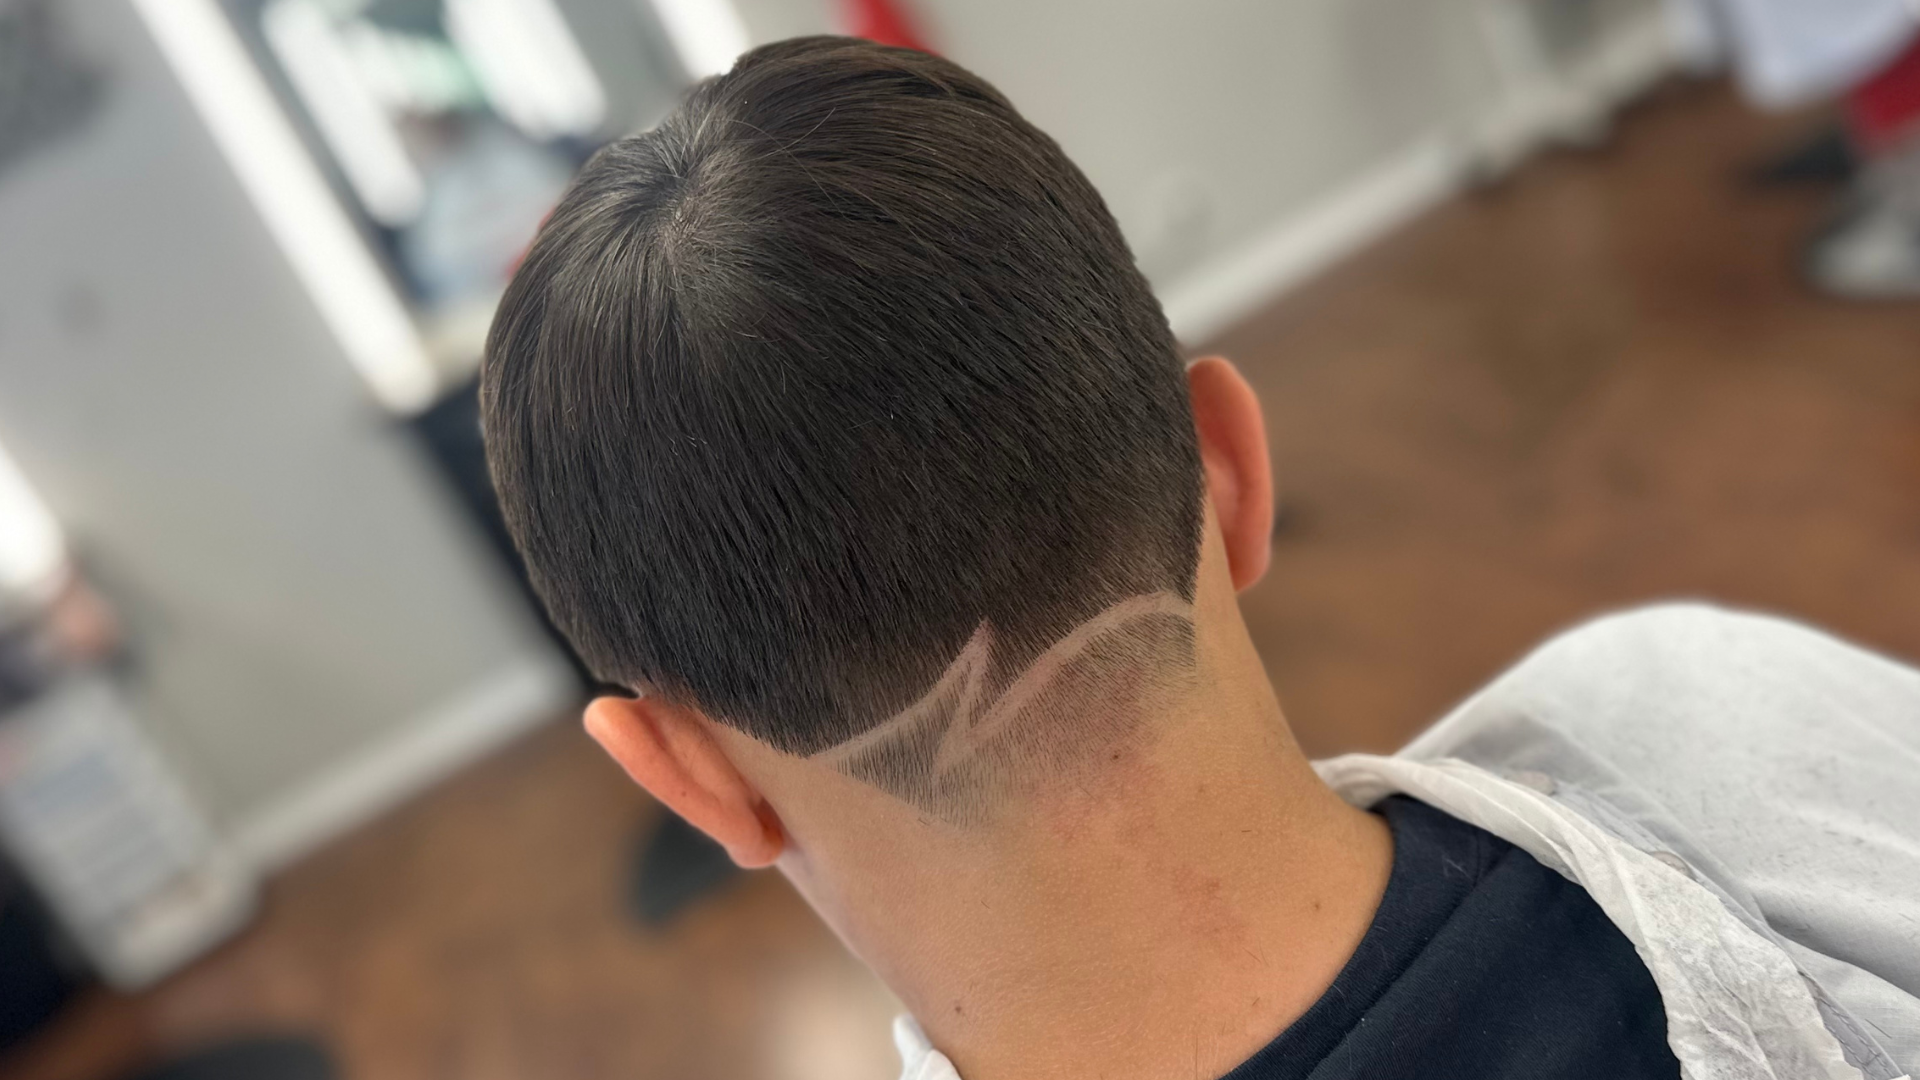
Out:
{"x": 963, "y": 708}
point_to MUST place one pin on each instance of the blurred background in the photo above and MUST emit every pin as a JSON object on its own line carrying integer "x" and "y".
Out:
{"x": 1555, "y": 306}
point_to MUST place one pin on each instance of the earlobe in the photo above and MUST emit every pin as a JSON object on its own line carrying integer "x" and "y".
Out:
{"x": 668, "y": 750}
{"x": 1233, "y": 448}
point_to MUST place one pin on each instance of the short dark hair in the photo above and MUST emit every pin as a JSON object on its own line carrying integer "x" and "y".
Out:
{"x": 839, "y": 364}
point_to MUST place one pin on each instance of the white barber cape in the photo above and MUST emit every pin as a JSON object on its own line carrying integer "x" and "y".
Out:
{"x": 1740, "y": 795}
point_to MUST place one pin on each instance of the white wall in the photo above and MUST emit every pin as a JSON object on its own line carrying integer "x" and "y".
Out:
{"x": 1240, "y": 143}
{"x": 1203, "y": 121}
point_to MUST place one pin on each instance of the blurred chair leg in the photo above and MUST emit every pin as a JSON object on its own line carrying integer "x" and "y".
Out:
{"x": 266, "y": 1057}
{"x": 675, "y": 865}
{"x": 1824, "y": 157}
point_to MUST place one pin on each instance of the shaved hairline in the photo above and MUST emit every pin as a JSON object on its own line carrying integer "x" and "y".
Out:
{"x": 976, "y": 736}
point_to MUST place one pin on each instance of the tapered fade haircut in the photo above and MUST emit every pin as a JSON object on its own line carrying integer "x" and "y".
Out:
{"x": 841, "y": 369}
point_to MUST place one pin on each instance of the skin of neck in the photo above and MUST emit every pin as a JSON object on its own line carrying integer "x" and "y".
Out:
{"x": 1162, "y": 914}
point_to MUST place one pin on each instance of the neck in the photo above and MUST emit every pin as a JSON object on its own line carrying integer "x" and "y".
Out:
{"x": 1164, "y": 919}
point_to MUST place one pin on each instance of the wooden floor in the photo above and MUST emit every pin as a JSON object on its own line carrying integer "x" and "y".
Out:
{"x": 1595, "y": 385}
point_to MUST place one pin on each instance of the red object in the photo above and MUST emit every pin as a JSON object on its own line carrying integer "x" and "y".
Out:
{"x": 1885, "y": 109}
{"x": 881, "y": 20}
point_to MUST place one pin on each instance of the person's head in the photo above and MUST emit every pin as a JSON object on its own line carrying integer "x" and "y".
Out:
{"x": 833, "y": 419}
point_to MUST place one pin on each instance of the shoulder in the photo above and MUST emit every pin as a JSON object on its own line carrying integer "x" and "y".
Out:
{"x": 1690, "y": 646}
{"x": 1748, "y": 733}
{"x": 1775, "y": 760}
{"x": 1701, "y": 682}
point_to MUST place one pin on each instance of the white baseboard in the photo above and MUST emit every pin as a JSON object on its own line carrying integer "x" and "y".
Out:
{"x": 1230, "y": 287}
{"x": 381, "y": 776}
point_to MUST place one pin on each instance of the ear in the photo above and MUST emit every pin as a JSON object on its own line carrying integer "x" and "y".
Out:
{"x": 670, "y": 751}
{"x": 1233, "y": 447}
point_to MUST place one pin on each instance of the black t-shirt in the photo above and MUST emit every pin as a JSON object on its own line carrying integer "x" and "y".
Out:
{"x": 1481, "y": 964}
